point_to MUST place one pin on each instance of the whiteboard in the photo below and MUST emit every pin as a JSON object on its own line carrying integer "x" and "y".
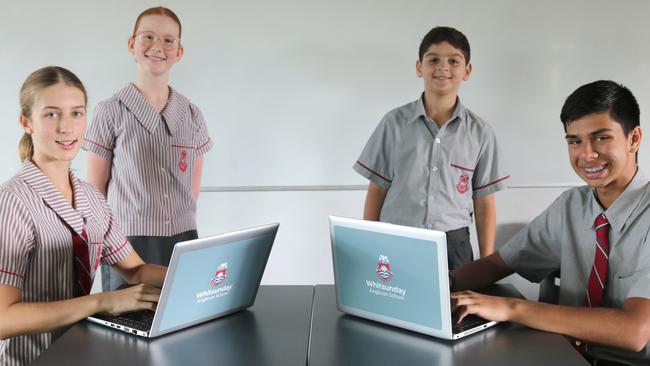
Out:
{"x": 293, "y": 89}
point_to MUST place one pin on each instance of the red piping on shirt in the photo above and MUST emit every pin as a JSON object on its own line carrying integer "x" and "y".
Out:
{"x": 207, "y": 142}
{"x": 11, "y": 273}
{"x": 462, "y": 168}
{"x": 374, "y": 172}
{"x": 94, "y": 143}
{"x": 495, "y": 182}
{"x": 184, "y": 147}
{"x": 116, "y": 250}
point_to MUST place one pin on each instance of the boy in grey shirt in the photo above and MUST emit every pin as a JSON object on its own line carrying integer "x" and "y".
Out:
{"x": 433, "y": 163}
{"x": 596, "y": 236}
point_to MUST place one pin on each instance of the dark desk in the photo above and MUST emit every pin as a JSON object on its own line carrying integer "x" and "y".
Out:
{"x": 338, "y": 339}
{"x": 275, "y": 331}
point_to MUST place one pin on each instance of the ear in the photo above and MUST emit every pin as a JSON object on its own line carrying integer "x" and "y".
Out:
{"x": 634, "y": 139}
{"x": 131, "y": 45}
{"x": 180, "y": 52}
{"x": 26, "y": 124}
{"x": 468, "y": 72}
{"x": 418, "y": 68}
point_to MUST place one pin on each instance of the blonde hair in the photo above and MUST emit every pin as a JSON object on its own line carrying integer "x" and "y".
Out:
{"x": 158, "y": 10}
{"x": 33, "y": 85}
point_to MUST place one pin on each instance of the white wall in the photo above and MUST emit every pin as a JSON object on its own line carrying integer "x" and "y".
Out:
{"x": 302, "y": 254}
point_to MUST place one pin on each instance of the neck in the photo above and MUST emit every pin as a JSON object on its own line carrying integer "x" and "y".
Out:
{"x": 607, "y": 195}
{"x": 439, "y": 107}
{"x": 154, "y": 89}
{"x": 58, "y": 172}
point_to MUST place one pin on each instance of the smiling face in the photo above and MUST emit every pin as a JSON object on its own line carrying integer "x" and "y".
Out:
{"x": 442, "y": 69}
{"x": 156, "y": 45}
{"x": 601, "y": 154}
{"x": 57, "y": 123}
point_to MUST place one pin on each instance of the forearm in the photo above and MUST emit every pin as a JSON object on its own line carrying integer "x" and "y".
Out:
{"x": 150, "y": 274}
{"x": 37, "y": 317}
{"x": 480, "y": 273}
{"x": 606, "y": 326}
{"x": 485, "y": 219}
{"x": 374, "y": 202}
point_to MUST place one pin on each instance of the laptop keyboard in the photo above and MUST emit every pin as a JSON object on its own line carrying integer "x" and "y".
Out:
{"x": 140, "y": 320}
{"x": 468, "y": 322}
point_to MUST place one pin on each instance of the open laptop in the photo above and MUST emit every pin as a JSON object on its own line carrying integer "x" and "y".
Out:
{"x": 207, "y": 278}
{"x": 396, "y": 275}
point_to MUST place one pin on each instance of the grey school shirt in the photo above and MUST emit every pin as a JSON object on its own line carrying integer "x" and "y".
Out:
{"x": 432, "y": 174}
{"x": 563, "y": 238}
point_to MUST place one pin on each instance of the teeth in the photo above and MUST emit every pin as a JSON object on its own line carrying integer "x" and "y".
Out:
{"x": 66, "y": 142}
{"x": 595, "y": 169}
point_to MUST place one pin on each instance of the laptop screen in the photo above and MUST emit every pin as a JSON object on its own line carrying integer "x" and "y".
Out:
{"x": 389, "y": 275}
{"x": 215, "y": 280}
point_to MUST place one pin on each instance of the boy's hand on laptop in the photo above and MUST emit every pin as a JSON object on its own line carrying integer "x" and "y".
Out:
{"x": 488, "y": 307}
{"x": 134, "y": 298}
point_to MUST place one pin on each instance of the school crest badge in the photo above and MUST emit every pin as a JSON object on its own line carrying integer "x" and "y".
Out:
{"x": 220, "y": 275}
{"x": 463, "y": 184}
{"x": 383, "y": 271}
{"x": 182, "y": 164}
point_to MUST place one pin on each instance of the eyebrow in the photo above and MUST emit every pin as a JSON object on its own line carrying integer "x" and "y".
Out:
{"x": 456, "y": 54}
{"x": 593, "y": 133}
{"x": 58, "y": 108}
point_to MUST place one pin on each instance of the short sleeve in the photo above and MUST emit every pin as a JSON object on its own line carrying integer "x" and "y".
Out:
{"x": 639, "y": 282}
{"x": 16, "y": 240}
{"x": 202, "y": 139}
{"x": 489, "y": 175}
{"x": 535, "y": 251}
{"x": 376, "y": 160}
{"x": 116, "y": 246}
{"x": 100, "y": 136}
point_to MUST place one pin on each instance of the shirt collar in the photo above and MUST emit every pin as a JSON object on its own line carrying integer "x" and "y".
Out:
{"x": 173, "y": 115}
{"x": 73, "y": 217}
{"x": 622, "y": 208}
{"x": 420, "y": 112}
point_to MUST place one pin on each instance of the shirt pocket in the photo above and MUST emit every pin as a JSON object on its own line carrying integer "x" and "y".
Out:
{"x": 460, "y": 175}
{"x": 621, "y": 286}
{"x": 182, "y": 156}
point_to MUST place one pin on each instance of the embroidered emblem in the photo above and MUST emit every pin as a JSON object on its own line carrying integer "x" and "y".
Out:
{"x": 182, "y": 164}
{"x": 383, "y": 269}
{"x": 463, "y": 184}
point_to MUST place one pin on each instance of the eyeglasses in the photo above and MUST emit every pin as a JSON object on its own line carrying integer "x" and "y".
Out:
{"x": 149, "y": 38}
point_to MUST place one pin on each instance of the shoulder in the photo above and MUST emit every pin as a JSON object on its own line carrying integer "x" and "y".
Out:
{"x": 477, "y": 124}
{"x": 399, "y": 116}
{"x": 16, "y": 196}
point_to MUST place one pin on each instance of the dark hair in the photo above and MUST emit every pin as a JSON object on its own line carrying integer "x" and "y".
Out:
{"x": 33, "y": 85}
{"x": 602, "y": 96}
{"x": 158, "y": 10}
{"x": 445, "y": 34}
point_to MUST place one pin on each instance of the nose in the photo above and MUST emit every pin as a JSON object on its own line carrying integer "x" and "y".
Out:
{"x": 65, "y": 125}
{"x": 587, "y": 151}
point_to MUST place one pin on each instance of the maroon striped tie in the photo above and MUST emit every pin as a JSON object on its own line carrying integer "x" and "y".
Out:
{"x": 598, "y": 276}
{"x": 82, "y": 263}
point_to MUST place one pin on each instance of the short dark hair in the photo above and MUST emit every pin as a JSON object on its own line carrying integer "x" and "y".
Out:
{"x": 602, "y": 96}
{"x": 445, "y": 34}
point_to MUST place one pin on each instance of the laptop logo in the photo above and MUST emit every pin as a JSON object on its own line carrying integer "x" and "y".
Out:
{"x": 220, "y": 275}
{"x": 383, "y": 269}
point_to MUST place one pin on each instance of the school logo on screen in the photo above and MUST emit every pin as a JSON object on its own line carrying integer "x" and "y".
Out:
{"x": 383, "y": 269}
{"x": 220, "y": 275}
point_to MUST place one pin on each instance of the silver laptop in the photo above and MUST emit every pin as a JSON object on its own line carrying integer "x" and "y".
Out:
{"x": 207, "y": 278}
{"x": 396, "y": 275}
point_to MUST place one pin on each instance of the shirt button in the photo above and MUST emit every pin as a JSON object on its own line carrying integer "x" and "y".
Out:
{"x": 165, "y": 195}
{"x": 162, "y": 170}
{"x": 429, "y": 226}
{"x": 437, "y": 140}
{"x": 167, "y": 222}
{"x": 435, "y": 168}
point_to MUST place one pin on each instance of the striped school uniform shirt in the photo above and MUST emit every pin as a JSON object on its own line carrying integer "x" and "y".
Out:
{"x": 36, "y": 252}
{"x": 152, "y": 157}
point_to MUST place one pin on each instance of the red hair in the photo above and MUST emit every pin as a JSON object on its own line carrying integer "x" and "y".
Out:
{"x": 158, "y": 10}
